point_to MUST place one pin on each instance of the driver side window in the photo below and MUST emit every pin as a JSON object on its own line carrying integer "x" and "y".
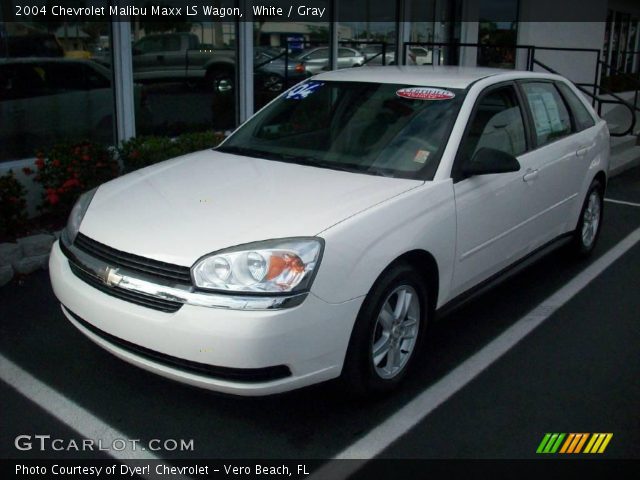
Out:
{"x": 497, "y": 123}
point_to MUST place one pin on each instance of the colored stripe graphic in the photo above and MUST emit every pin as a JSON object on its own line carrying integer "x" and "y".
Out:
{"x": 574, "y": 443}
{"x": 544, "y": 441}
{"x": 550, "y": 443}
{"x": 598, "y": 442}
{"x": 581, "y": 442}
{"x": 567, "y": 443}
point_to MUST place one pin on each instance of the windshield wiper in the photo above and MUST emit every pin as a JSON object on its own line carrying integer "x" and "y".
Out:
{"x": 308, "y": 160}
{"x": 344, "y": 167}
{"x": 318, "y": 162}
{"x": 251, "y": 152}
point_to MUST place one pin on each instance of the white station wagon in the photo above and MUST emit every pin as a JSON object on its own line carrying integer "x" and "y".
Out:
{"x": 321, "y": 237}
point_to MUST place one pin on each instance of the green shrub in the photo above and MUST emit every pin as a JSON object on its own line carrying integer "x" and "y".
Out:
{"x": 193, "y": 142}
{"x": 13, "y": 216}
{"x": 140, "y": 152}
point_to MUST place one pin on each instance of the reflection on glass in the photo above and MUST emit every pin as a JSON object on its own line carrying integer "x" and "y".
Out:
{"x": 498, "y": 37}
{"x": 286, "y": 53}
{"x": 187, "y": 66}
{"x": 53, "y": 87}
{"x": 367, "y": 42}
{"x": 372, "y": 128}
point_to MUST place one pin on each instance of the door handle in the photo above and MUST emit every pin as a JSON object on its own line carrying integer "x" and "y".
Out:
{"x": 530, "y": 176}
{"x": 160, "y": 58}
{"x": 581, "y": 152}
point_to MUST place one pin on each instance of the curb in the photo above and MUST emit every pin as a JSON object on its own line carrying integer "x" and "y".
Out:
{"x": 26, "y": 255}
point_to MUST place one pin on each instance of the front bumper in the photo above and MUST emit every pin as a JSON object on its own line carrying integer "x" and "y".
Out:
{"x": 310, "y": 340}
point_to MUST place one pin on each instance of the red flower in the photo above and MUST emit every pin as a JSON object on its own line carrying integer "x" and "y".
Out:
{"x": 27, "y": 171}
{"x": 55, "y": 163}
{"x": 53, "y": 198}
{"x": 40, "y": 163}
{"x": 135, "y": 154}
{"x": 51, "y": 191}
{"x": 86, "y": 158}
{"x": 72, "y": 182}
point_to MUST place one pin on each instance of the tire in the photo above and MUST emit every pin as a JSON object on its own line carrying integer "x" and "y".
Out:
{"x": 587, "y": 231}
{"x": 382, "y": 326}
{"x": 221, "y": 80}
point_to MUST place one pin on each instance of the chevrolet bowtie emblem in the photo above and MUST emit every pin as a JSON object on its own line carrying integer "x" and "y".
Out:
{"x": 111, "y": 277}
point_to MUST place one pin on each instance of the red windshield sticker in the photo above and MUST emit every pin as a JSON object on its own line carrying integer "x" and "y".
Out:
{"x": 425, "y": 93}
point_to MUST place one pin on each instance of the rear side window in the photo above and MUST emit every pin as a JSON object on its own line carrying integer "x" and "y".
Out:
{"x": 550, "y": 115}
{"x": 581, "y": 115}
{"x": 320, "y": 53}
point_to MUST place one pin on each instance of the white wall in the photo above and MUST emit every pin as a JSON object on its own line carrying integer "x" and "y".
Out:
{"x": 580, "y": 67}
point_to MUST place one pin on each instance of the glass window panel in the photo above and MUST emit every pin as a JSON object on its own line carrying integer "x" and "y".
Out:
{"x": 287, "y": 53}
{"x": 497, "y": 123}
{"x": 373, "y": 37}
{"x": 186, "y": 70}
{"x": 550, "y": 116}
{"x": 581, "y": 115}
{"x": 498, "y": 33}
{"x": 55, "y": 86}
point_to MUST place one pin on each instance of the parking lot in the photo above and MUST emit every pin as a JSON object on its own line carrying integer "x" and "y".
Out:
{"x": 555, "y": 348}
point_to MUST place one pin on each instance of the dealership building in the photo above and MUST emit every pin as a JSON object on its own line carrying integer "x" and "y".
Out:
{"x": 121, "y": 77}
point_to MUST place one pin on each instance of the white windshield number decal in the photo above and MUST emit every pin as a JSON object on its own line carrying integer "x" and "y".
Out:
{"x": 302, "y": 91}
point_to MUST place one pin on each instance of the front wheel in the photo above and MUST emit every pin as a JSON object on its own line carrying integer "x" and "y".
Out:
{"x": 587, "y": 231}
{"x": 388, "y": 332}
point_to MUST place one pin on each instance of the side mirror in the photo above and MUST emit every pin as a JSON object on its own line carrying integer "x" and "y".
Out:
{"x": 490, "y": 160}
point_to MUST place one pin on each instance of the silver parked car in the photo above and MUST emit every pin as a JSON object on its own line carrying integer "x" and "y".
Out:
{"x": 317, "y": 59}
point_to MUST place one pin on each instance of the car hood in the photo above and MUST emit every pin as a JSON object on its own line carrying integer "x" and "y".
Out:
{"x": 182, "y": 209}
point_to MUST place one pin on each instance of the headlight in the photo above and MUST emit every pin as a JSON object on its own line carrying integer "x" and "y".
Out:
{"x": 77, "y": 214}
{"x": 273, "y": 266}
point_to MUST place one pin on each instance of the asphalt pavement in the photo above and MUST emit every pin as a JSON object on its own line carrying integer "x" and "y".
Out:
{"x": 577, "y": 372}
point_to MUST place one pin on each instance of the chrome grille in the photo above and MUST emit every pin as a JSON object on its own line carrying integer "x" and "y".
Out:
{"x": 116, "y": 258}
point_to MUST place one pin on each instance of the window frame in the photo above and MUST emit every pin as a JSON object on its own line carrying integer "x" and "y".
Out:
{"x": 534, "y": 135}
{"x": 456, "y": 169}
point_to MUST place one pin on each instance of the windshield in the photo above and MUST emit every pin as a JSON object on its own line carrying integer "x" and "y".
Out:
{"x": 382, "y": 129}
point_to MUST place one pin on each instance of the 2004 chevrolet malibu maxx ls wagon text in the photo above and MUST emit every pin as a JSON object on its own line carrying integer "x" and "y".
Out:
{"x": 324, "y": 234}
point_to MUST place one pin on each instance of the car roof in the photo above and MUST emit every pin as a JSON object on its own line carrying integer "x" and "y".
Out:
{"x": 426, "y": 75}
